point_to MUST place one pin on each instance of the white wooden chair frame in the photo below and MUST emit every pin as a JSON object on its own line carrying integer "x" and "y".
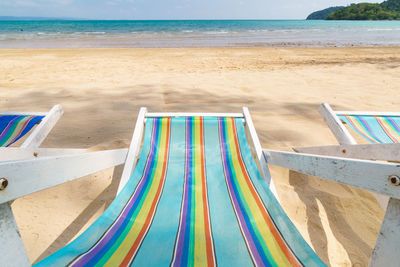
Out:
{"x": 21, "y": 166}
{"x": 349, "y": 148}
{"x": 30, "y": 175}
{"x": 41, "y": 131}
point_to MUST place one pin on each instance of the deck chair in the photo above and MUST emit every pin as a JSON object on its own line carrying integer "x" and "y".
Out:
{"x": 35, "y": 126}
{"x": 15, "y": 125}
{"x": 380, "y": 129}
{"x": 195, "y": 196}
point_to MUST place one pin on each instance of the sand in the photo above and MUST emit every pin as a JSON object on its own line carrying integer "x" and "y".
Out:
{"x": 101, "y": 91}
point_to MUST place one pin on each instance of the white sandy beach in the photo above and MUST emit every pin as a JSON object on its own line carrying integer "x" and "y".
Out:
{"x": 101, "y": 91}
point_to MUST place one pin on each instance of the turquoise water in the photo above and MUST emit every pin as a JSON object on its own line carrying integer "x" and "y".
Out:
{"x": 197, "y": 33}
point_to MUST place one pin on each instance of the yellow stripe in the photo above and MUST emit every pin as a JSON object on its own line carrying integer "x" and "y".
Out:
{"x": 200, "y": 256}
{"x": 16, "y": 130}
{"x": 130, "y": 238}
{"x": 388, "y": 127}
{"x": 360, "y": 127}
{"x": 262, "y": 226}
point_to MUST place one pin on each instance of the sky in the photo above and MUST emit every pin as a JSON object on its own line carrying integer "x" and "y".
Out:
{"x": 169, "y": 9}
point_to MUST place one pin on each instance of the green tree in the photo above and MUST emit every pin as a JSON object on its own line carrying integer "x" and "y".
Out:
{"x": 322, "y": 14}
{"x": 391, "y": 5}
{"x": 363, "y": 11}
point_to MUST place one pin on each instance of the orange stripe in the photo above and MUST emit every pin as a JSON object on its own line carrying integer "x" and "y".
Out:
{"x": 364, "y": 133}
{"x": 21, "y": 130}
{"x": 209, "y": 245}
{"x": 394, "y": 139}
{"x": 146, "y": 224}
{"x": 289, "y": 255}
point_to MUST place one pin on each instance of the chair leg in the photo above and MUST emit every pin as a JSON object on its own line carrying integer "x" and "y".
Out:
{"x": 11, "y": 245}
{"x": 386, "y": 251}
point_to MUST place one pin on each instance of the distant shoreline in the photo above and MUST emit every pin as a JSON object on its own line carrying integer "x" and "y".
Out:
{"x": 199, "y": 48}
{"x": 198, "y": 33}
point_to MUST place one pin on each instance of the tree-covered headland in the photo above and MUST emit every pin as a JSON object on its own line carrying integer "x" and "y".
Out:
{"x": 388, "y": 10}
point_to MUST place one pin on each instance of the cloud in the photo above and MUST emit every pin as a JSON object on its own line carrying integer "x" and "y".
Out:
{"x": 168, "y": 9}
{"x": 62, "y": 2}
{"x": 34, "y": 3}
{"x": 20, "y": 3}
{"x": 119, "y": 2}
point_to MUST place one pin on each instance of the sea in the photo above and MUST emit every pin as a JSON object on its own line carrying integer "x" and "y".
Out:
{"x": 197, "y": 33}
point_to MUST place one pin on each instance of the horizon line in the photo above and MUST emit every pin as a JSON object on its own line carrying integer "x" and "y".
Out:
{"x": 98, "y": 19}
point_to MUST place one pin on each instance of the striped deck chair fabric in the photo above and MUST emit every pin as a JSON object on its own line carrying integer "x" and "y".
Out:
{"x": 195, "y": 197}
{"x": 13, "y": 127}
{"x": 375, "y": 129}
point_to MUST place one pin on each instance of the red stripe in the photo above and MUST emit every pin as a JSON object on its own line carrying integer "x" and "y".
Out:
{"x": 149, "y": 218}
{"x": 22, "y": 129}
{"x": 282, "y": 244}
{"x": 363, "y": 132}
{"x": 394, "y": 139}
{"x": 209, "y": 243}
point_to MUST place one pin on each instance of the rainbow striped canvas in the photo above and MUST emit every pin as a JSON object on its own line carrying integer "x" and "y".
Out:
{"x": 375, "y": 129}
{"x": 195, "y": 198}
{"x": 13, "y": 127}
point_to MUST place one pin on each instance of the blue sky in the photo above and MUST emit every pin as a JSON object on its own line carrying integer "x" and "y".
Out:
{"x": 169, "y": 9}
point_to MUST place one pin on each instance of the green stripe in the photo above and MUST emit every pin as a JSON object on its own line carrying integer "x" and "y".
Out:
{"x": 245, "y": 205}
{"x": 132, "y": 220}
{"x": 192, "y": 238}
{"x": 11, "y": 131}
{"x": 371, "y": 135}
{"x": 396, "y": 132}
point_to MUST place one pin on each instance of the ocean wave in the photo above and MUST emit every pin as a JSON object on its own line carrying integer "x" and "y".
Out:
{"x": 240, "y": 33}
{"x": 382, "y": 29}
{"x": 216, "y": 32}
{"x": 89, "y": 33}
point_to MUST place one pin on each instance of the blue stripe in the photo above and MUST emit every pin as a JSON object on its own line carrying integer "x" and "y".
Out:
{"x": 241, "y": 204}
{"x": 28, "y": 127}
{"x": 289, "y": 232}
{"x": 365, "y": 125}
{"x": 185, "y": 252}
{"x": 158, "y": 247}
{"x": 5, "y": 120}
{"x": 230, "y": 247}
{"x": 377, "y": 133}
{"x": 166, "y": 221}
{"x": 88, "y": 238}
{"x": 344, "y": 119}
{"x": 395, "y": 122}
{"x": 133, "y": 209}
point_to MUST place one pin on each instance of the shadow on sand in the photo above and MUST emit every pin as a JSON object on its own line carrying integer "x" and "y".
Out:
{"x": 112, "y": 115}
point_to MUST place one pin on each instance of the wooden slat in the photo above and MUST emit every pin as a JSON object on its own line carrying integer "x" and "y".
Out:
{"x": 194, "y": 114}
{"x": 390, "y": 152}
{"x": 4, "y": 113}
{"x": 11, "y": 243}
{"x": 43, "y": 129}
{"x": 14, "y": 253}
{"x": 32, "y": 175}
{"x": 386, "y": 251}
{"x": 259, "y": 153}
{"x": 338, "y": 129}
{"x": 368, "y": 113}
{"x": 15, "y": 153}
{"x": 134, "y": 149}
{"x": 344, "y": 137}
{"x": 364, "y": 174}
